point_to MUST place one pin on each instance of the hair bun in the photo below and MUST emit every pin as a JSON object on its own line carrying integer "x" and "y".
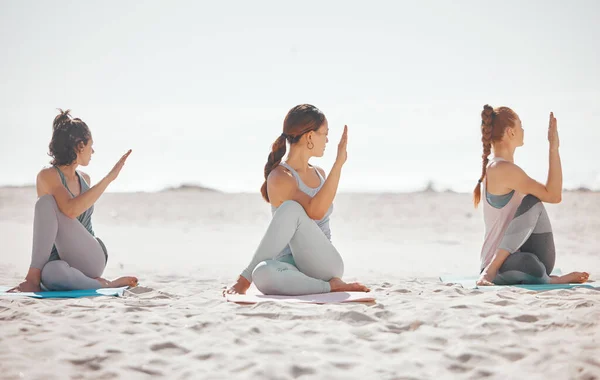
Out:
{"x": 61, "y": 118}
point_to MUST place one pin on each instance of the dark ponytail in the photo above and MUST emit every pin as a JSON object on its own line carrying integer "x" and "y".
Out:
{"x": 278, "y": 150}
{"x": 299, "y": 120}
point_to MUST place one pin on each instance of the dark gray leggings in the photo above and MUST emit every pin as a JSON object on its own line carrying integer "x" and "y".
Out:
{"x": 82, "y": 256}
{"x": 530, "y": 242}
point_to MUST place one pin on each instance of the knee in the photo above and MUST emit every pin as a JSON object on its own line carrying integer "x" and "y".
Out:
{"x": 530, "y": 200}
{"x": 291, "y": 206}
{"x": 53, "y": 275}
{"x": 531, "y": 265}
{"x": 264, "y": 278}
{"x": 527, "y": 203}
{"x": 45, "y": 202}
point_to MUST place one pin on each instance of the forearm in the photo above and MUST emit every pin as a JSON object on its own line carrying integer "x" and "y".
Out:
{"x": 76, "y": 206}
{"x": 320, "y": 203}
{"x": 554, "y": 182}
{"x": 491, "y": 270}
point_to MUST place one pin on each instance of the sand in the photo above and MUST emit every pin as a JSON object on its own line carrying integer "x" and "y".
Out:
{"x": 186, "y": 246}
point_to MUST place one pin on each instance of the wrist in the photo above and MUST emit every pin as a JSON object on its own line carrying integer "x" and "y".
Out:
{"x": 337, "y": 165}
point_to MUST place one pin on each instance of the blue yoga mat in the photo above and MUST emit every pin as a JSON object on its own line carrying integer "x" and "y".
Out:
{"x": 116, "y": 292}
{"x": 470, "y": 282}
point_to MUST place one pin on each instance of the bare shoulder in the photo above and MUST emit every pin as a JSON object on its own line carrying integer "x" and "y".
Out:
{"x": 281, "y": 186}
{"x": 46, "y": 179}
{"x": 47, "y": 175}
{"x": 279, "y": 177}
{"x": 503, "y": 168}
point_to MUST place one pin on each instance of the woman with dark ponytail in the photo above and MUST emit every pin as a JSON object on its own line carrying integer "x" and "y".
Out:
{"x": 66, "y": 254}
{"x": 296, "y": 256}
{"x": 519, "y": 246}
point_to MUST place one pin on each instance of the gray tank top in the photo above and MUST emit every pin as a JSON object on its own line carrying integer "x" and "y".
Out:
{"x": 85, "y": 218}
{"x": 311, "y": 192}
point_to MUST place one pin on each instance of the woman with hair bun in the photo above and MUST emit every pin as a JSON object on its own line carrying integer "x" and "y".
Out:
{"x": 519, "y": 246}
{"x": 296, "y": 256}
{"x": 66, "y": 254}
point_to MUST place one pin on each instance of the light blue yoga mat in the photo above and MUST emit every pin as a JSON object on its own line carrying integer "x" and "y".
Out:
{"x": 117, "y": 292}
{"x": 470, "y": 282}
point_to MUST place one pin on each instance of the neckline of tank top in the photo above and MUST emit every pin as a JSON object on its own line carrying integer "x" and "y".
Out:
{"x": 79, "y": 176}
{"x": 297, "y": 176}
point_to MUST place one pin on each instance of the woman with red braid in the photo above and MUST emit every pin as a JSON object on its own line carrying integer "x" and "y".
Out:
{"x": 519, "y": 246}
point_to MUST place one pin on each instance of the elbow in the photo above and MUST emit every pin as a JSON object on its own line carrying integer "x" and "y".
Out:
{"x": 316, "y": 215}
{"x": 68, "y": 212}
{"x": 557, "y": 198}
{"x": 554, "y": 198}
{"x": 312, "y": 210}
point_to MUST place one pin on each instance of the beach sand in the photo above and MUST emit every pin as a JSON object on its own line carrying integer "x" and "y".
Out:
{"x": 186, "y": 246}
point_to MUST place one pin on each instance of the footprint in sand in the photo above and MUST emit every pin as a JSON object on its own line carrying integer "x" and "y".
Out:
{"x": 169, "y": 348}
{"x": 92, "y": 363}
{"x": 526, "y": 318}
{"x": 298, "y": 371}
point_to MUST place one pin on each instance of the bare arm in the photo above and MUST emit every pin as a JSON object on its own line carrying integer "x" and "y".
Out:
{"x": 555, "y": 178}
{"x": 491, "y": 270}
{"x": 515, "y": 178}
{"x": 282, "y": 187}
{"x": 48, "y": 182}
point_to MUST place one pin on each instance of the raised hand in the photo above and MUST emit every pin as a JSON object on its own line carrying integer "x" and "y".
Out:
{"x": 114, "y": 173}
{"x": 553, "y": 133}
{"x": 342, "y": 155}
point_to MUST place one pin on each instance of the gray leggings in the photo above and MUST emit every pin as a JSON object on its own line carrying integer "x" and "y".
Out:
{"x": 530, "y": 242}
{"x": 316, "y": 259}
{"x": 82, "y": 256}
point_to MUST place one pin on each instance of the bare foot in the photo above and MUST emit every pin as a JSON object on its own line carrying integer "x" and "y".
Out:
{"x": 484, "y": 281}
{"x": 119, "y": 282}
{"x": 337, "y": 285}
{"x": 26, "y": 286}
{"x": 102, "y": 281}
{"x": 571, "y": 278}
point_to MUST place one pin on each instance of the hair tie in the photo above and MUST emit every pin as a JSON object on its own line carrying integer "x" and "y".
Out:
{"x": 479, "y": 181}
{"x": 284, "y": 136}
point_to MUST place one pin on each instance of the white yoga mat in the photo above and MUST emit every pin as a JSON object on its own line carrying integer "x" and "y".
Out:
{"x": 336, "y": 297}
